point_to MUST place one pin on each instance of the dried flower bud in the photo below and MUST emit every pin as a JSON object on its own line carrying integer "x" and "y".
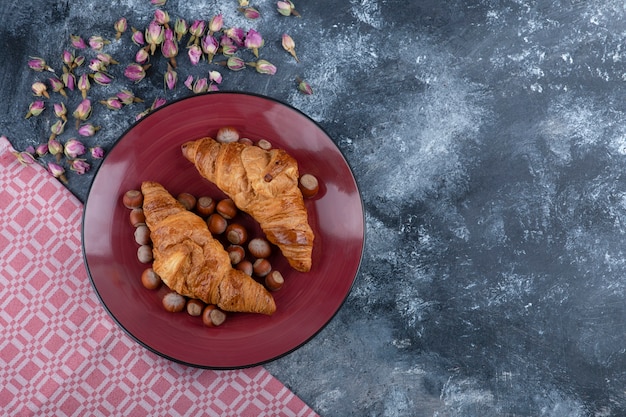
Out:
{"x": 97, "y": 42}
{"x": 112, "y": 103}
{"x": 88, "y": 130}
{"x": 77, "y": 42}
{"x": 25, "y": 158}
{"x": 40, "y": 89}
{"x": 84, "y": 85}
{"x": 80, "y": 166}
{"x": 154, "y": 35}
{"x": 57, "y": 128}
{"x": 228, "y": 46}
{"x": 96, "y": 65}
{"x": 170, "y": 78}
{"x": 35, "y": 108}
{"x": 213, "y": 87}
{"x": 236, "y": 34}
{"x": 254, "y": 41}
{"x": 137, "y": 37}
{"x": 215, "y": 76}
{"x": 120, "y": 27}
{"x": 57, "y": 86}
{"x": 200, "y": 86}
{"x": 169, "y": 49}
{"x": 142, "y": 56}
{"x": 57, "y": 171}
{"x": 135, "y": 72}
{"x": 180, "y": 28}
{"x": 304, "y": 87}
{"x": 69, "y": 80}
{"x": 97, "y": 152}
{"x": 287, "y": 8}
{"x": 102, "y": 78}
{"x": 158, "y": 102}
{"x": 54, "y": 147}
{"x": 216, "y": 23}
{"x": 196, "y": 30}
{"x": 106, "y": 59}
{"x": 243, "y": 3}
{"x": 42, "y": 149}
{"x": 127, "y": 97}
{"x": 189, "y": 82}
{"x": 250, "y": 12}
{"x": 38, "y": 64}
{"x": 83, "y": 110}
{"x": 161, "y": 17}
{"x": 68, "y": 59}
{"x": 74, "y": 148}
{"x": 235, "y": 63}
{"x": 60, "y": 111}
{"x": 290, "y": 46}
{"x": 78, "y": 61}
{"x": 195, "y": 53}
{"x": 158, "y": 2}
{"x": 263, "y": 67}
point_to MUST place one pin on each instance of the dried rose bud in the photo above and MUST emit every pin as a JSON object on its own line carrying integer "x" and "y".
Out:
{"x": 127, "y": 97}
{"x": 69, "y": 80}
{"x": 97, "y": 152}
{"x": 216, "y": 23}
{"x": 74, "y": 148}
{"x": 250, "y": 12}
{"x": 158, "y": 102}
{"x": 97, "y": 42}
{"x": 35, "y": 108}
{"x": 213, "y": 87}
{"x": 169, "y": 49}
{"x": 77, "y": 42}
{"x": 68, "y": 59}
{"x": 304, "y": 87}
{"x": 83, "y": 110}
{"x": 287, "y": 8}
{"x": 210, "y": 46}
{"x": 57, "y": 128}
{"x": 80, "y": 166}
{"x": 96, "y": 65}
{"x": 215, "y": 76}
{"x": 57, "y": 86}
{"x": 195, "y": 53}
{"x": 196, "y": 30}
{"x": 228, "y": 46}
{"x": 54, "y": 147}
{"x": 234, "y": 63}
{"x": 25, "y": 158}
{"x": 254, "y": 41}
{"x": 142, "y": 56}
{"x": 170, "y": 78}
{"x": 289, "y": 45}
{"x": 78, "y": 61}
{"x": 236, "y": 34}
{"x": 40, "y": 89}
{"x": 106, "y": 59}
{"x": 154, "y": 36}
{"x": 161, "y": 17}
{"x": 42, "y": 149}
{"x": 243, "y": 3}
{"x": 120, "y": 27}
{"x": 135, "y": 72}
{"x": 189, "y": 82}
{"x": 180, "y": 28}
{"x": 101, "y": 78}
{"x": 57, "y": 171}
{"x": 200, "y": 86}
{"x": 84, "y": 85}
{"x": 112, "y": 103}
{"x": 88, "y": 130}
{"x": 137, "y": 37}
{"x": 158, "y": 2}
{"x": 263, "y": 67}
{"x": 60, "y": 111}
{"x": 38, "y": 64}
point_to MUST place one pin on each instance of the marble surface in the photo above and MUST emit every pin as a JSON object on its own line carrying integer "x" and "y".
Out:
{"x": 489, "y": 142}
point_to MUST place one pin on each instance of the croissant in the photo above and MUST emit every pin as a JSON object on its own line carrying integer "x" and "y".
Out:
{"x": 263, "y": 184}
{"x": 193, "y": 263}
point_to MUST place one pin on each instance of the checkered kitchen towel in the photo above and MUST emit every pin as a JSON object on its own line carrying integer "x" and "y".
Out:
{"x": 62, "y": 355}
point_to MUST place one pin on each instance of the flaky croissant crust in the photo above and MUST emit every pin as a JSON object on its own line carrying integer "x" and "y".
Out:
{"x": 264, "y": 184}
{"x": 194, "y": 264}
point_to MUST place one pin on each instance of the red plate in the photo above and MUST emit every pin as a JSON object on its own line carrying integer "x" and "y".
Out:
{"x": 150, "y": 150}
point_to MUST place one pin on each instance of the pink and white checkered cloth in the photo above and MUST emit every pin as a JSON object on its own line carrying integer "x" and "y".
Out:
{"x": 62, "y": 355}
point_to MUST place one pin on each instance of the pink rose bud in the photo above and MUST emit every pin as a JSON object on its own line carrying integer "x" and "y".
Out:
{"x": 304, "y": 87}
{"x": 97, "y": 42}
{"x": 57, "y": 171}
{"x": 68, "y": 58}
{"x": 210, "y": 46}
{"x": 189, "y": 82}
{"x": 83, "y": 84}
{"x": 137, "y": 37}
{"x": 200, "y": 86}
{"x": 57, "y": 86}
{"x": 289, "y": 45}
{"x": 236, "y": 34}
{"x": 80, "y": 166}
{"x": 96, "y": 65}
{"x": 35, "y": 108}
{"x": 112, "y": 103}
{"x": 69, "y": 80}
{"x": 161, "y": 17}
{"x": 40, "y": 89}
{"x": 250, "y": 12}
{"x": 180, "y": 28}
{"x": 216, "y": 23}
{"x": 106, "y": 59}
{"x": 170, "y": 78}
{"x": 197, "y": 28}
{"x": 254, "y": 41}
{"x": 287, "y": 8}
{"x": 127, "y": 97}
{"x": 78, "y": 61}
{"x": 38, "y": 64}
{"x": 88, "y": 130}
{"x": 142, "y": 56}
{"x": 24, "y": 158}
{"x": 169, "y": 49}
{"x": 235, "y": 63}
{"x": 263, "y": 67}
{"x": 154, "y": 35}
{"x": 120, "y": 27}
{"x": 228, "y": 46}
{"x": 42, "y": 149}
{"x": 74, "y": 148}
{"x": 83, "y": 110}
{"x": 135, "y": 72}
{"x": 60, "y": 111}
{"x": 54, "y": 147}
{"x": 77, "y": 42}
{"x": 102, "y": 78}
{"x": 195, "y": 53}
{"x": 215, "y": 76}
{"x": 213, "y": 87}
{"x": 57, "y": 128}
{"x": 97, "y": 152}
{"x": 158, "y": 102}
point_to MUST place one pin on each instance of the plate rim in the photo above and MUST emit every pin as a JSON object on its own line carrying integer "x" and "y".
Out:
{"x": 247, "y": 365}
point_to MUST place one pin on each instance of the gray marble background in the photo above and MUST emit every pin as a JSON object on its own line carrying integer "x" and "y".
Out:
{"x": 489, "y": 142}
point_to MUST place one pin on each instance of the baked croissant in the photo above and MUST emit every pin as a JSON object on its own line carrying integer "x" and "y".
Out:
{"x": 264, "y": 184}
{"x": 193, "y": 263}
